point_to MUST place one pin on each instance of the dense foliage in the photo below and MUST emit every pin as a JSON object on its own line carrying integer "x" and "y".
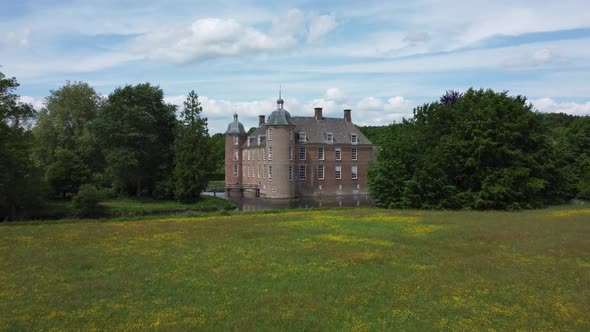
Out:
{"x": 478, "y": 150}
{"x": 135, "y": 132}
{"x": 192, "y": 151}
{"x": 21, "y": 183}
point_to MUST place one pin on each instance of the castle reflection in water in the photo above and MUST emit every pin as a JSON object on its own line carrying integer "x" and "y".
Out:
{"x": 254, "y": 204}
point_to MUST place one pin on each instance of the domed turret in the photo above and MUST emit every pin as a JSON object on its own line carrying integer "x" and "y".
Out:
{"x": 235, "y": 127}
{"x": 280, "y": 117}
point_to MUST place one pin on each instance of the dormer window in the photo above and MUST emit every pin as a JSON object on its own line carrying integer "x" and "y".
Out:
{"x": 354, "y": 139}
{"x": 236, "y": 140}
{"x": 302, "y": 137}
{"x": 330, "y": 138}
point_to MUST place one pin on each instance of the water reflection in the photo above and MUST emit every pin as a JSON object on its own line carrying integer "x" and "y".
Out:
{"x": 253, "y": 204}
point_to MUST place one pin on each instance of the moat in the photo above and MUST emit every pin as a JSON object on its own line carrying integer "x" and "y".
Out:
{"x": 254, "y": 204}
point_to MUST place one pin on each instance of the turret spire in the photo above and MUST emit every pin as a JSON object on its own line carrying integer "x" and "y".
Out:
{"x": 280, "y": 101}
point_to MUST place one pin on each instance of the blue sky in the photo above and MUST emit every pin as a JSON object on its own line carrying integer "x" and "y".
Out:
{"x": 379, "y": 58}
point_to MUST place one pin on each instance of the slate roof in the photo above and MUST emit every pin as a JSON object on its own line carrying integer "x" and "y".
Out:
{"x": 235, "y": 127}
{"x": 280, "y": 117}
{"x": 316, "y": 131}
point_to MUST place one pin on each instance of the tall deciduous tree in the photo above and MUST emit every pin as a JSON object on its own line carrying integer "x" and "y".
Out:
{"x": 63, "y": 140}
{"x": 21, "y": 186}
{"x": 193, "y": 151}
{"x": 135, "y": 132}
{"x": 480, "y": 150}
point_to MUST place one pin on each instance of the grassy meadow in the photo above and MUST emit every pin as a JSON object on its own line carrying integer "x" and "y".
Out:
{"x": 338, "y": 269}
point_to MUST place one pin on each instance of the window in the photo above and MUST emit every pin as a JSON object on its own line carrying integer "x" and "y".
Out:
{"x": 270, "y": 173}
{"x": 259, "y": 171}
{"x": 320, "y": 153}
{"x": 264, "y": 172}
{"x": 236, "y": 171}
{"x": 269, "y": 134}
{"x": 258, "y": 140}
{"x": 290, "y": 153}
{"x": 248, "y": 154}
{"x": 270, "y": 153}
{"x": 354, "y": 172}
{"x": 302, "y": 153}
{"x": 302, "y": 172}
{"x": 338, "y": 154}
{"x": 338, "y": 172}
{"x": 236, "y": 140}
{"x": 248, "y": 172}
{"x": 290, "y": 134}
{"x": 264, "y": 154}
{"x": 302, "y": 137}
{"x": 321, "y": 172}
{"x": 354, "y": 155}
{"x": 290, "y": 173}
{"x": 330, "y": 138}
{"x": 236, "y": 154}
{"x": 258, "y": 153}
{"x": 248, "y": 141}
{"x": 354, "y": 139}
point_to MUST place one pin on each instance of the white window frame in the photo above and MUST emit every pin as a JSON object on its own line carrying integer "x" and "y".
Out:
{"x": 259, "y": 171}
{"x": 354, "y": 171}
{"x": 290, "y": 172}
{"x": 354, "y": 154}
{"x": 354, "y": 139}
{"x": 236, "y": 140}
{"x": 302, "y": 137}
{"x": 270, "y": 153}
{"x": 290, "y": 134}
{"x": 236, "y": 155}
{"x": 321, "y": 172}
{"x": 236, "y": 171}
{"x": 330, "y": 137}
{"x": 269, "y": 134}
{"x": 338, "y": 172}
{"x": 302, "y": 151}
{"x": 263, "y": 154}
{"x": 303, "y": 174}
{"x": 269, "y": 173}
{"x": 338, "y": 154}
{"x": 321, "y": 153}
{"x": 290, "y": 153}
{"x": 264, "y": 172}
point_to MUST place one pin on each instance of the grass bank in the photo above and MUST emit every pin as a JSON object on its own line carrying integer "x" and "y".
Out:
{"x": 354, "y": 269}
{"x": 121, "y": 207}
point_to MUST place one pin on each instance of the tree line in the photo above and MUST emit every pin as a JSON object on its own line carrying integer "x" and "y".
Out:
{"x": 131, "y": 143}
{"x": 481, "y": 150}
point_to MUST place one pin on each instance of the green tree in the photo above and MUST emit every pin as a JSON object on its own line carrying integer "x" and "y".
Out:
{"x": 21, "y": 184}
{"x": 193, "y": 151}
{"x": 63, "y": 141}
{"x": 479, "y": 150}
{"x": 135, "y": 132}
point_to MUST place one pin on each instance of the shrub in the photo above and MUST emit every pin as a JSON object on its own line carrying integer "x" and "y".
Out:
{"x": 87, "y": 201}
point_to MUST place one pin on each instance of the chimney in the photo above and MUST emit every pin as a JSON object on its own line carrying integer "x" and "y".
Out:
{"x": 318, "y": 113}
{"x": 347, "y": 117}
{"x": 260, "y": 120}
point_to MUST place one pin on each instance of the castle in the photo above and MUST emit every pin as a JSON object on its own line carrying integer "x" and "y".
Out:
{"x": 288, "y": 157}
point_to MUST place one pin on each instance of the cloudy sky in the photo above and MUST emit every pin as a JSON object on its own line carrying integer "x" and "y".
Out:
{"x": 378, "y": 58}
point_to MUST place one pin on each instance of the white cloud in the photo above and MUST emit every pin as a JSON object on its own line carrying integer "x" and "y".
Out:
{"x": 293, "y": 24}
{"x": 15, "y": 39}
{"x": 335, "y": 94}
{"x": 365, "y": 111}
{"x": 207, "y": 38}
{"x": 417, "y": 37}
{"x": 37, "y": 103}
{"x": 548, "y": 105}
{"x": 320, "y": 26}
